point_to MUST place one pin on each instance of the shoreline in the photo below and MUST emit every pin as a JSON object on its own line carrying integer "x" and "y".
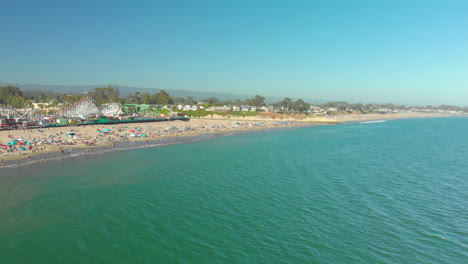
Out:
{"x": 71, "y": 153}
{"x": 194, "y": 130}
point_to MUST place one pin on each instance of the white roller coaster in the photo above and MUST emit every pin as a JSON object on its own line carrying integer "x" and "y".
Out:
{"x": 113, "y": 109}
{"x": 86, "y": 107}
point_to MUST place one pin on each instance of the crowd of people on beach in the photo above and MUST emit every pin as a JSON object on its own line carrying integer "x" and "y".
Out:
{"x": 26, "y": 143}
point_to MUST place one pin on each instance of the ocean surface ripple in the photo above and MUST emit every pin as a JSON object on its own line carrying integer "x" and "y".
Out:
{"x": 383, "y": 192}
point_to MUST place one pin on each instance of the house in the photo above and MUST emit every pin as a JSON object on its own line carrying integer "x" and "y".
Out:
{"x": 40, "y": 105}
{"x": 316, "y": 109}
{"x": 266, "y": 108}
{"x": 218, "y": 108}
{"x": 188, "y": 107}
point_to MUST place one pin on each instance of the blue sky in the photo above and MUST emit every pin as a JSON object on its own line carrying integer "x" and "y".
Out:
{"x": 409, "y": 52}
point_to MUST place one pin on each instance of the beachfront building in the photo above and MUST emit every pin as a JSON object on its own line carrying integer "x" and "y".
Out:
{"x": 266, "y": 108}
{"x": 190, "y": 108}
{"x": 46, "y": 106}
{"x": 145, "y": 109}
{"x": 218, "y": 108}
{"x": 316, "y": 109}
{"x": 39, "y": 105}
{"x": 187, "y": 107}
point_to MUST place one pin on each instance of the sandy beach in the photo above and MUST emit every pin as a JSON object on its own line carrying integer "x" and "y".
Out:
{"x": 37, "y": 144}
{"x": 30, "y": 143}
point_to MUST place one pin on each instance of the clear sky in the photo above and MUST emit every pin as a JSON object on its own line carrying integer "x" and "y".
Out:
{"x": 400, "y": 51}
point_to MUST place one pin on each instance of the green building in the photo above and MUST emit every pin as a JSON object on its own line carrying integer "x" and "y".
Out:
{"x": 140, "y": 109}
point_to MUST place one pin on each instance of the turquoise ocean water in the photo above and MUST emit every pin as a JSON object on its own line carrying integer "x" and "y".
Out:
{"x": 389, "y": 192}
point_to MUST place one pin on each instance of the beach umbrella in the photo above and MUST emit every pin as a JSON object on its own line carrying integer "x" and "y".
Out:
{"x": 133, "y": 131}
{"x": 107, "y": 129}
{"x": 132, "y": 135}
{"x": 143, "y": 135}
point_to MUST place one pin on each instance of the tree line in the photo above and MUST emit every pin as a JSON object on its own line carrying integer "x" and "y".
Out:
{"x": 15, "y": 98}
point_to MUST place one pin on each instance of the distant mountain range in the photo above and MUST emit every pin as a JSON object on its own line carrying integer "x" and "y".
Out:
{"x": 126, "y": 90}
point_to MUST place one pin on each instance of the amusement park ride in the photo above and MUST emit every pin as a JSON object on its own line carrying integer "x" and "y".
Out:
{"x": 9, "y": 116}
{"x": 87, "y": 107}
{"x": 85, "y": 111}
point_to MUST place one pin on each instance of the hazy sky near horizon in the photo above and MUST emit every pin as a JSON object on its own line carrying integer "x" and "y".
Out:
{"x": 400, "y": 51}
